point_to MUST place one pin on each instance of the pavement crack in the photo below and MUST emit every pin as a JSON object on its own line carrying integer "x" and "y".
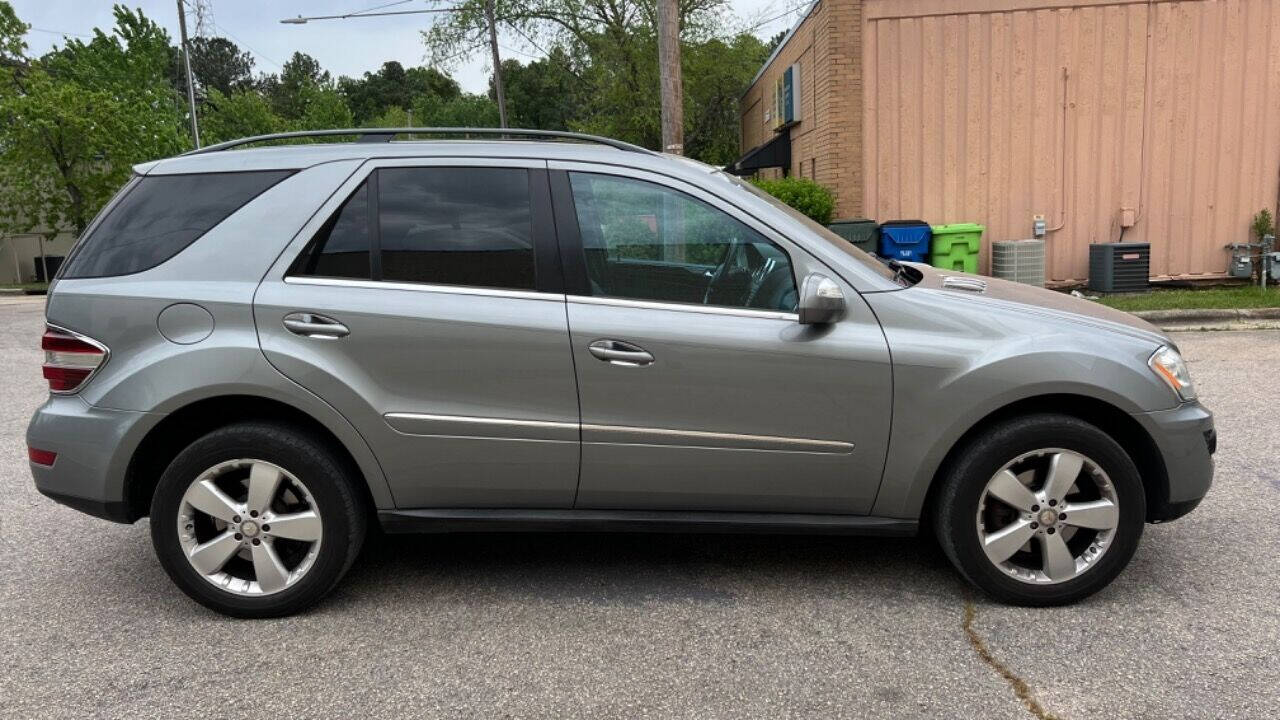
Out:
{"x": 1020, "y": 686}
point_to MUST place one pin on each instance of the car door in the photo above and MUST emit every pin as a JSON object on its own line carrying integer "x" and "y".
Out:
{"x": 424, "y": 302}
{"x": 699, "y": 389}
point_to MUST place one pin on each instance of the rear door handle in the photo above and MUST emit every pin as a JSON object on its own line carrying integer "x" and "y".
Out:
{"x": 316, "y": 326}
{"x": 617, "y": 352}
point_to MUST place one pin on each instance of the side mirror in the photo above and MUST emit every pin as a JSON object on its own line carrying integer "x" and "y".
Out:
{"x": 821, "y": 300}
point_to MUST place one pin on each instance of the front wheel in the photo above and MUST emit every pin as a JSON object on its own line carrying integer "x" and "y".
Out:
{"x": 1041, "y": 510}
{"x": 256, "y": 520}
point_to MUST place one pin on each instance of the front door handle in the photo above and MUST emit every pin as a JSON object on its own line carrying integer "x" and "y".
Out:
{"x": 316, "y": 326}
{"x": 616, "y": 352}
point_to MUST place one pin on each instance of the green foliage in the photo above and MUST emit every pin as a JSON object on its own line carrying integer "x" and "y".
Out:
{"x": 716, "y": 73}
{"x": 394, "y": 87}
{"x": 391, "y": 117}
{"x": 601, "y": 75}
{"x": 77, "y": 120}
{"x": 1263, "y": 224}
{"x": 289, "y": 91}
{"x": 217, "y": 64}
{"x": 466, "y": 110}
{"x": 72, "y": 123}
{"x": 807, "y": 196}
{"x": 12, "y": 46}
{"x": 241, "y": 113}
{"x": 322, "y": 108}
{"x": 545, "y": 94}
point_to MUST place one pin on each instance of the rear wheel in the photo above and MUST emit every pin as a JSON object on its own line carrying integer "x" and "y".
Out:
{"x": 256, "y": 520}
{"x": 1041, "y": 510}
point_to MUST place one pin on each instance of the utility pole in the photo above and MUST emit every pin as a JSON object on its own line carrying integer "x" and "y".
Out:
{"x": 497, "y": 64}
{"x": 669, "y": 71}
{"x": 191, "y": 87}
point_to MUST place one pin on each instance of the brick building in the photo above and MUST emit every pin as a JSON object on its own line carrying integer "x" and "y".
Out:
{"x": 1149, "y": 120}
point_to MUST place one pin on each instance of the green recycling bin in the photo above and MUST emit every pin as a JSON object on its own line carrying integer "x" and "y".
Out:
{"x": 956, "y": 246}
{"x": 863, "y": 233}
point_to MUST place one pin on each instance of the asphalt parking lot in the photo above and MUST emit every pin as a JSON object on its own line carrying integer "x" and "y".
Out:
{"x": 655, "y": 626}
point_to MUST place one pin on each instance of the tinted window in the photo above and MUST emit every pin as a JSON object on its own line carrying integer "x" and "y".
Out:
{"x": 160, "y": 216}
{"x": 456, "y": 226}
{"x": 648, "y": 242}
{"x": 341, "y": 248}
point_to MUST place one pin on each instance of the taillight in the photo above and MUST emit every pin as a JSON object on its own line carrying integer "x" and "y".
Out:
{"x": 69, "y": 358}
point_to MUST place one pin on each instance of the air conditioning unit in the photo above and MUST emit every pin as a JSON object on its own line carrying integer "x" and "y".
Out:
{"x": 1019, "y": 260}
{"x": 1119, "y": 267}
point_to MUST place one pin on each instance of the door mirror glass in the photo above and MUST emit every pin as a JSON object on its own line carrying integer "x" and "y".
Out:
{"x": 821, "y": 300}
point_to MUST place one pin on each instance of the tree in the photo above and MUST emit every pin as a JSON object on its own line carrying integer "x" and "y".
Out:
{"x": 617, "y": 36}
{"x": 466, "y": 110}
{"x": 241, "y": 113}
{"x": 602, "y": 73}
{"x": 13, "y": 48}
{"x": 76, "y": 120}
{"x": 716, "y": 73}
{"x": 394, "y": 86}
{"x": 288, "y": 91}
{"x": 772, "y": 43}
{"x": 545, "y": 94}
{"x": 217, "y": 63}
{"x": 322, "y": 109}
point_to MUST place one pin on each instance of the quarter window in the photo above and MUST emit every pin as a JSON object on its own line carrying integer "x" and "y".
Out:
{"x": 341, "y": 248}
{"x": 645, "y": 241}
{"x": 456, "y": 226}
{"x": 160, "y": 215}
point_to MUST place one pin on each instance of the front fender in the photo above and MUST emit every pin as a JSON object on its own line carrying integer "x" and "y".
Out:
{"x": 952, "y": 370}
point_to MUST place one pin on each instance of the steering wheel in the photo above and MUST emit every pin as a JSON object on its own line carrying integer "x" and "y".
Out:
{"x": 730, "y": 253}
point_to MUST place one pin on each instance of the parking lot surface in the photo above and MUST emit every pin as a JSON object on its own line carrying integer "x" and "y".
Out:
{"x": 657, "y": 626}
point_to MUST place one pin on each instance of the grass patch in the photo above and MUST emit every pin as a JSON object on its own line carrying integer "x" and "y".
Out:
{"x": 26, "y": 287}
{"x": 1240, "y": 296}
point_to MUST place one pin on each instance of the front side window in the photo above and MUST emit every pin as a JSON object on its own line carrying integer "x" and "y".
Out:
{"x": 456, "y": 226}
{"x": 160, "y": 215}
{"x": 645, "y": 241}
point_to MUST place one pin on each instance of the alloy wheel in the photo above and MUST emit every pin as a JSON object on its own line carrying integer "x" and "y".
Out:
{"x": 249, "y": 527}
{"x": 1047, "y": 516}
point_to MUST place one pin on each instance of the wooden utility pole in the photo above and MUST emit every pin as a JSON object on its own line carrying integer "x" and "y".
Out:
{"x": 669, "y": 71}
{"x": 191, "y": 86}
{"x": 497, "y": 63}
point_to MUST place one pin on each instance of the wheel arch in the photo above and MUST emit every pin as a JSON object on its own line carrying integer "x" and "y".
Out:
{"x": 1117, "y": 423}
{"x": 181, "y": 427}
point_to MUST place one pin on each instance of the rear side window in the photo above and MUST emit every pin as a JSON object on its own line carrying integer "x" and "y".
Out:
{"x": 160, "y": 216}
{"x": 456, "y": 226}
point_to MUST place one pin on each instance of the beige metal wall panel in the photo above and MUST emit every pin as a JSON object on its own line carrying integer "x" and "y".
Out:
{"x": 993, "y": 111}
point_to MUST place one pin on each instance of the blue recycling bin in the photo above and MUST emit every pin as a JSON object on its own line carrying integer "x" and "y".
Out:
{"x": 905, "y": 240}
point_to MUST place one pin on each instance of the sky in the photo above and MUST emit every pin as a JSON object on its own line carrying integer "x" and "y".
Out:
{"x": 343, "y": 47}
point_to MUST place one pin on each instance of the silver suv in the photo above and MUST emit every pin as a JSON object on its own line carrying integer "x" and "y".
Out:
{"x": 270, "y": 350}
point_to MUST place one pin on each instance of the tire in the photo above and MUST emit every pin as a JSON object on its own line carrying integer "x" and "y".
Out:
{"x": 1026, "y": 447}
{"x": 303, "y": 481}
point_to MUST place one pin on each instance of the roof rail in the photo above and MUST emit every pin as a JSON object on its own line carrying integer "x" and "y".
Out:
{"x": 374, "y": 135}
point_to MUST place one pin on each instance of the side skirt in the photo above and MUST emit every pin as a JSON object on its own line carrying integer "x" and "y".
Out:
{"x": 445, "y": 520}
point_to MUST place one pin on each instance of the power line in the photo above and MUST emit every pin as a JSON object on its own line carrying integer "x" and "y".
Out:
{"x": 57, "y": 32}
{"x": 379, "y": 7}
{"x": 251, "y": 49}
{"x": 779, "y": 16}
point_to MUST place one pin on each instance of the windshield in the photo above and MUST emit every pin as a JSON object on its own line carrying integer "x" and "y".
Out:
{"x": 818, "y": 229}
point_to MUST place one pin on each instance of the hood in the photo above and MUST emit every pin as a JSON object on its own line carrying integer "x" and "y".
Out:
{"x": 1028, "y": 298}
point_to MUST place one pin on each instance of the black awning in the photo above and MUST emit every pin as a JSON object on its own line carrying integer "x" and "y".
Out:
{"x": 775, "y": 153}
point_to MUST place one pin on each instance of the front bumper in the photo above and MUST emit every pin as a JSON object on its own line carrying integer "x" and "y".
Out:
{"x": 1186, "y": 440}
{"x": 94, "y": 446}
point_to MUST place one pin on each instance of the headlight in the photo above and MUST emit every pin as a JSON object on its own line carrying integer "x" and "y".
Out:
{"x": 1168, "y": 365}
